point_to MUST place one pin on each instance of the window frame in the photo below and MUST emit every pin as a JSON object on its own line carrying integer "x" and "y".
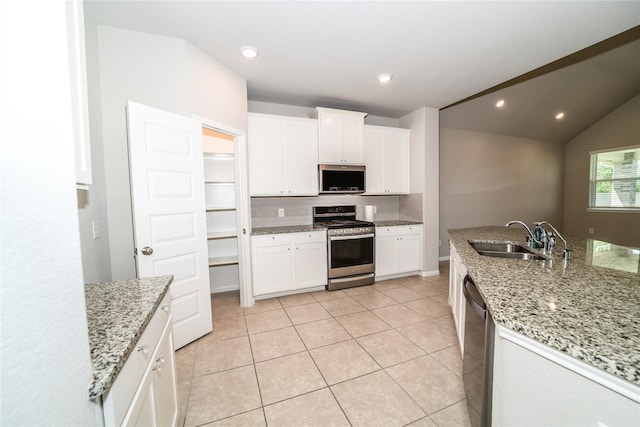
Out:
{"x": 593, "y": 181}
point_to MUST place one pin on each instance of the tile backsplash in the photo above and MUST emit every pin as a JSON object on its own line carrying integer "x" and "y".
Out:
{"x": 299, "y": 210}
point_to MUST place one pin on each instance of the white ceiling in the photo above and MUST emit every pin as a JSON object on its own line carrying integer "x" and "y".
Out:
{"x": 328, "y": 53}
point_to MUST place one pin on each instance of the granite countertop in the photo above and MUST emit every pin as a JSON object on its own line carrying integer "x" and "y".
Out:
{"x": 588, "y": 307}
{"x": 304, "y": 228}
{"x": 395, "y": 222}
{"x": 310, "y": 227}
{"x": 117, "y": 314}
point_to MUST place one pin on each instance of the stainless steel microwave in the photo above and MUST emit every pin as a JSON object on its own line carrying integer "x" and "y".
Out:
{"x": 341, "y": 179}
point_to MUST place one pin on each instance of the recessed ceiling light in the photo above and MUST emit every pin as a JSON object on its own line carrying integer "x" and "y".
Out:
{"x": 385, "y": 78}
{"x": 560, "y": 116}
{"x": 249, "y": 52}
{"x": 500, "y": 103}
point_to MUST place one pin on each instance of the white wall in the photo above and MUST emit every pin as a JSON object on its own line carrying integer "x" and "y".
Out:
{"x": 424, "y": 158}
{"x": 46, "y": 367}
{"x": 488, "y": 179}
{"x": 164, "y": 73}
{"x": 618, "y": 129}
{"x": 92, "y": 203}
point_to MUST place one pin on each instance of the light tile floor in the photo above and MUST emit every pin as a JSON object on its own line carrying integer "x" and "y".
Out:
{"x": 380, "y": 355}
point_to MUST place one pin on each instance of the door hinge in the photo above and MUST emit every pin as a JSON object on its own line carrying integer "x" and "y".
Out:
{"x": 135, "y": 252}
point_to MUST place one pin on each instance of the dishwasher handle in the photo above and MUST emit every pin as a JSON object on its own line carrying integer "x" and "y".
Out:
{"x": 477, "y": 306}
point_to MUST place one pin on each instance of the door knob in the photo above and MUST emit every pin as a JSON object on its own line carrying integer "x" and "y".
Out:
{"x": 147, "y": 250}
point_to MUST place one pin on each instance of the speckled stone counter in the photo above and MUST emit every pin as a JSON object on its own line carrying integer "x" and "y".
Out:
{"x": 286, "y": 229}
{"x": 117, "y": 314}
{"x": 395, "y": 222}
{"x": 588, "y": 308}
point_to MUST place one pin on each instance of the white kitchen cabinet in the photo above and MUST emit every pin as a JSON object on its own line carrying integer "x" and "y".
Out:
{"x": 283, "y": 153}
{"x": 398, "y": 250}
{"x": 457, "y": 272}
{"x": 310, "y": 259}
{"x": 340, "y": 136}
{"x": 386, "y": 154}
{"x": 144, "y": 392}
{"x": 534, "y": 384}
{"x": 288, "y": 262}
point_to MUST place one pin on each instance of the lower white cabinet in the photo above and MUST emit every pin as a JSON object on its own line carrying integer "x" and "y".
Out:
{"x": 398, "y": 249}
{"x": 144, "y": 392}
{"x": 457, "y": 272}
{"x": 537, "y": 385}
{"x": 288, "y": 261}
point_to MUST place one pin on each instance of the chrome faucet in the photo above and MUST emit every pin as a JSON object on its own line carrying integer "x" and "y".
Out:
{"x": 566, "y": 252}
{"x": 533, "y": 238}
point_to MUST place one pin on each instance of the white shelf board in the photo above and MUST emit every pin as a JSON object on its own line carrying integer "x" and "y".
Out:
{"x": 225, "y": 260}
{"x": 220, "y": 182}
{"x": 220, "y": 208}
{"x": 222, "y": 235}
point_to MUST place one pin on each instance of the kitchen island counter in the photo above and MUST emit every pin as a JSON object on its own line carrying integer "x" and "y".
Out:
{"x": 117, "y": 314}
{"x": 587, "y": 308}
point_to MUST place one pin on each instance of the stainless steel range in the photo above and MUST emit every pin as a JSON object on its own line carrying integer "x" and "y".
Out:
{"x": 350, "y": 246}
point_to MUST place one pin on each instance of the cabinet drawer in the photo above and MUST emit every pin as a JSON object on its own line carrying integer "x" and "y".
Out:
{"x": 268, "y": 240}
{"x": 119, "y": 396}
{"x": 398, "y": 230}
{"x": 310, "y": 237}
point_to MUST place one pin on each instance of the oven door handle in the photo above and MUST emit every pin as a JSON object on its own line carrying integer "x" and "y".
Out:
{"x": 356, "y": 236}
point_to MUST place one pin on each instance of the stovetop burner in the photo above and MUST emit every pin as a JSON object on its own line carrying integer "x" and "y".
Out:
{"x": 338, "y": 217}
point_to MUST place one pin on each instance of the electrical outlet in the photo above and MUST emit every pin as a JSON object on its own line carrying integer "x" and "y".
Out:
{"x": 280, "y": 212}
{"x": 439, "y": 242}
{"x": 96, "y": 229}
{"x": 591, "y": 231}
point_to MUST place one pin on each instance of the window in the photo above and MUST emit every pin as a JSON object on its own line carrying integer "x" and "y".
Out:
{"x": 615, "y": 179}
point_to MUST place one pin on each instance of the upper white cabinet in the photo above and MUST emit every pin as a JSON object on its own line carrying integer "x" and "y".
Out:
{"x": 79, "y": 100}
{"x": 283, "y": 154}
{"x": 386, "y": 154}
{"x": 340, "y": 136}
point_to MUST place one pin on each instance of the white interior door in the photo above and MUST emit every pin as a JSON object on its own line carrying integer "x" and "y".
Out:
{"x": 167, "y": 188}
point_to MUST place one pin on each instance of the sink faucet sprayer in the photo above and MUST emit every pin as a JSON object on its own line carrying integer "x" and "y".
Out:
{"x": 543, "y": 238}
{"x": 566, "y": 253}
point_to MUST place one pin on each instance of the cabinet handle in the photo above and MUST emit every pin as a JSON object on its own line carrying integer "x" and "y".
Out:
{"x": 165, "y": 307}
{"x": 143, "y": 349}
{"x": 156, "y": 368}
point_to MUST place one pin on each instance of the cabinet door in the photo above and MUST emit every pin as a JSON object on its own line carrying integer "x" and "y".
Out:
{"x": 142, "y": 412}
{"x": 408, "y": 253}
{"x": 374, "y": 159}
{"x": 272, "y": 264}
{"x": 301, "y": 157}
{"x": 310, "y": 259}
{"x": 164, "y": 379}
{"x": 330, "y": 138}
{"x": 386, "y": 249}
{"x": 353, "y": 139}
{"x": 396, "y": 161}
{"x": 266, "y": 156}
{"x": 311, "y": 265}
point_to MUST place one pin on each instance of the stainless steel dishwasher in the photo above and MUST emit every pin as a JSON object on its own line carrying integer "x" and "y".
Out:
{"x": 477, "y": 371}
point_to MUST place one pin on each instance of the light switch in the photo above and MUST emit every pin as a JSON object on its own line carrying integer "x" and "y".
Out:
{"x": 96, "y": 229}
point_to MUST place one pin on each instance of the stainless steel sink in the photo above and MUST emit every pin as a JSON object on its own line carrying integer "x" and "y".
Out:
{"x": 498, "y": 247}
{"x": 505, "y": 250}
